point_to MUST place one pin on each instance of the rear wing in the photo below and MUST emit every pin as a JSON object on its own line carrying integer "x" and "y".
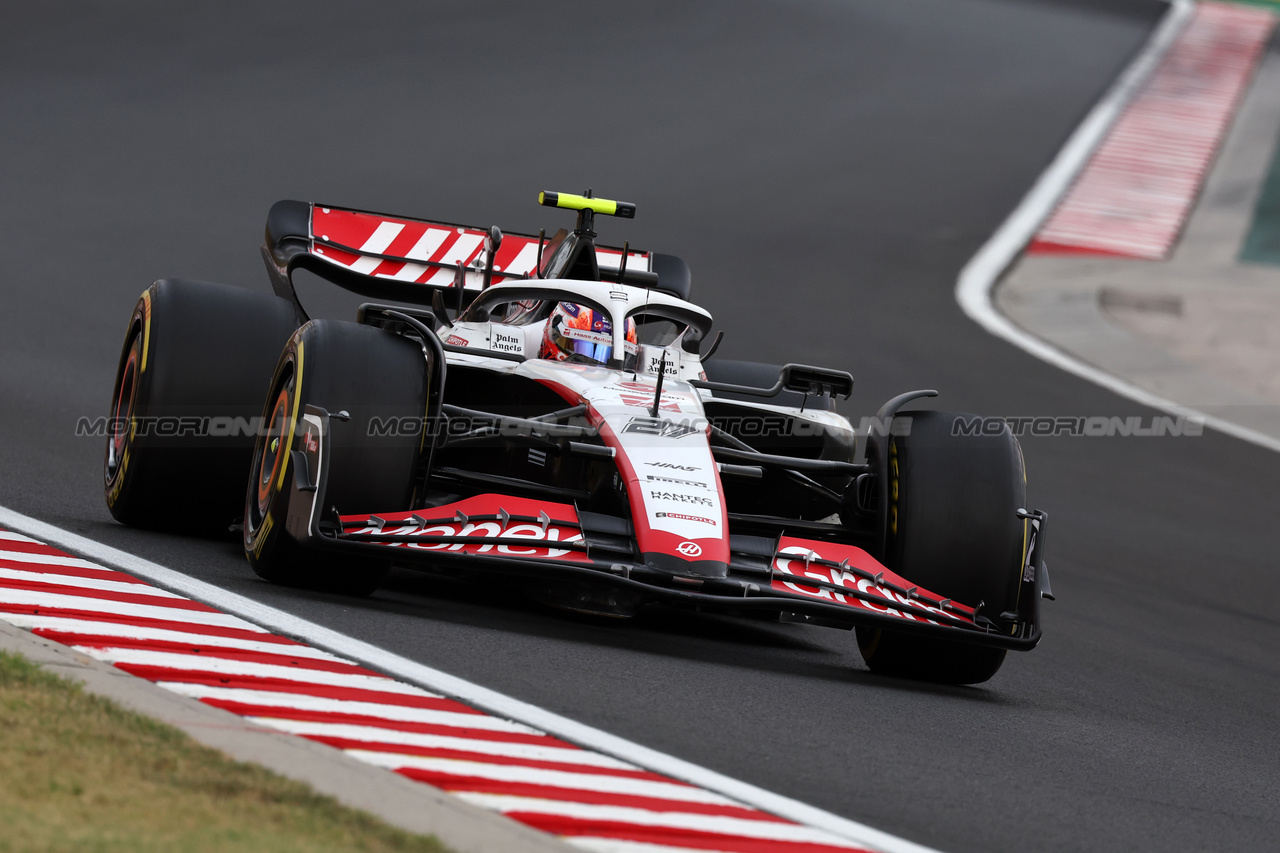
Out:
{"x": 402, "y": 259}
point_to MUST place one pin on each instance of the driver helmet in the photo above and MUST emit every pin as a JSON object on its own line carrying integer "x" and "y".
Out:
{"x": 580, "y": 334}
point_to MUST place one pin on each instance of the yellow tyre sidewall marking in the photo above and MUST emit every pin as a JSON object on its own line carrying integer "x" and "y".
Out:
{"x": 293, "y": 415}
{"x": 146, "y": 328}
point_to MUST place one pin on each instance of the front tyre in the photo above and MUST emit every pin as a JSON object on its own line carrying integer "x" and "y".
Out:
{"x": 951, "y": 527}
{"x": 377, "y": 378}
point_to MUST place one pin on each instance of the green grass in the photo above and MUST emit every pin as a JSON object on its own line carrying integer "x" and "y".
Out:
{"x": 78, "y": 773}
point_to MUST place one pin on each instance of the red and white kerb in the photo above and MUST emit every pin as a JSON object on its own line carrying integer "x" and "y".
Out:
{"x": 591, "y": 800}
{"x": 1137, "y": 190}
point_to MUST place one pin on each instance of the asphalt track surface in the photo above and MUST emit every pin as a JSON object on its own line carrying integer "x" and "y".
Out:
{"x": 826, "y": 168}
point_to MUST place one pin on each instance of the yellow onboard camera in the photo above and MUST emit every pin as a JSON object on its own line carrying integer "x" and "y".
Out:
{"x": 569, "y": 201}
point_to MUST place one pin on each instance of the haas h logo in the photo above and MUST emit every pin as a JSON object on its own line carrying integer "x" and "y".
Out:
{"x": 690, "y": 549}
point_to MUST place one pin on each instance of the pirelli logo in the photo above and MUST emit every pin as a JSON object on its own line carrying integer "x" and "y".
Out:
{"x": 653, "y": 478}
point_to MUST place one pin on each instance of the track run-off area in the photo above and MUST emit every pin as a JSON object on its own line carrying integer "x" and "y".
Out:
{"x": 827, "y": 169}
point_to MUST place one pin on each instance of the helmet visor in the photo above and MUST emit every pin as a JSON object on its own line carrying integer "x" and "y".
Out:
{"x": 597, "y": 346}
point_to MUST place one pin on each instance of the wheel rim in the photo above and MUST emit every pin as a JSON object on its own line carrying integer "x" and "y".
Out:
{"x": 273, "y": 451}
{"x": 122, "y": 412}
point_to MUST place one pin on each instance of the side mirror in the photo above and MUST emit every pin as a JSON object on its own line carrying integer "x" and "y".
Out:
{"x": 817, "y": 380}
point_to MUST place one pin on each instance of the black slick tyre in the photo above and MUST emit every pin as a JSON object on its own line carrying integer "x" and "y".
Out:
{"x": 196, "y": 360}
{"x": 375, "y": 377}
{"x": 951, "y": 527}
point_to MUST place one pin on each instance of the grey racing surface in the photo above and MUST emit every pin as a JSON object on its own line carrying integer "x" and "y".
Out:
{"x": 826, "y": 168}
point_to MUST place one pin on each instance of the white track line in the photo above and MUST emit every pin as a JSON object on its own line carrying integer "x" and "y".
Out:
{"x": 433, "y": 679}
{"x": 979, "y": 276}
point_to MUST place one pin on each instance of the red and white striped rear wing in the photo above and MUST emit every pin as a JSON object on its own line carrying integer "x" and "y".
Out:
{"x": 397, "y": 258}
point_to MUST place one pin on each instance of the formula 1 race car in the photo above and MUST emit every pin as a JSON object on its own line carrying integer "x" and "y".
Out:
{"x": 545, "y": 414}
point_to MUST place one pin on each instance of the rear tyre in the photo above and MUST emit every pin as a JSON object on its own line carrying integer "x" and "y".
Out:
{"x": 952, "y": 528}
{"x": 196, "y": 359}
{"x": 374, "y": 376}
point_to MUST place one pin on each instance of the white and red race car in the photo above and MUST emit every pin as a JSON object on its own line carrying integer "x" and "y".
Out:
{"x": 546, "y": 414}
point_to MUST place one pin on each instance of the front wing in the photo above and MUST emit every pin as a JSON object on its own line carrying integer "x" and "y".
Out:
{"x": 518, "y": 539}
